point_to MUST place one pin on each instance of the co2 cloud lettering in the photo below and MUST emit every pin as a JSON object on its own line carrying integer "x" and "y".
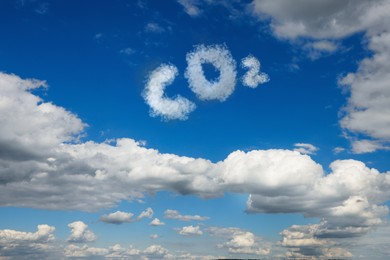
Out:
{"x": 220, "y": 89}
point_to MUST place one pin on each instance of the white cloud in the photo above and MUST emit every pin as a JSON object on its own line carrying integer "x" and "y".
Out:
{"x": 154, "y": 236}
{"x": 190, "y": 7}
{"x": 18, "y": 244}
{"x": 219, "y": 56}
{"x": 367, "y": 146}
{"x": 147, "y": 213}
{"x": 117, "y": 217}
{"x": 190, "y": 231}
{"x": 154, "y": 28}
{"x": 84, "y": 251}
{"x": 320, "y": 48}
{"x": 338, "y": 150}
{"x": 80, "y": 233}
{"x": 156, "y": 222}
{"x": 120, "y": 217}
{"x": 367, "y": 112}
{"x": 253, "y": 77}
{"x": 128, "y": 51}
{"x": 160, "y": 104}
{"x": 155, "y": 251}
{"x": 240, "y": 241}
{"x": 174, "y": 214}
{"x": 89, "y": 176}
{"x": 305, "y": 148}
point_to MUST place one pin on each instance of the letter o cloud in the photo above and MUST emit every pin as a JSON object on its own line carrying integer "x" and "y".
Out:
{"x": 219, "y": 56}
{"x": 160, "y": 104}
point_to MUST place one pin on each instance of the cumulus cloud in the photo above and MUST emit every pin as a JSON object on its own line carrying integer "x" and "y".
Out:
{"x": 174, "y": 214}
{"x": 239, "y": 241}
{"x": 190, "y": 7}
{"x": 253, "y": 77}
{"x": 302, "y": 241}
{"x": 368, "y": 106}
{"x": 160, "y": 104}
{"x": 190, "y": 231}
{"x": 147, "y": 213}
{"x": 305, "y": 148}
{"x": 18, "y": 244}
{"x": 117, "y": 217}
{"x": 80, "y": 233}
{"x": 156, "y": 222}
{"x": 90, "y": 176}
{"x": 120, "y": 217}
{"x": 218, "y": 56}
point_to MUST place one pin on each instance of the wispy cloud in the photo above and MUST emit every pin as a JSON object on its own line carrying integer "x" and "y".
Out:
{"x": 174, "y": 214}
{"x": 190, "y": 7}
{"x": 304, "y": 148}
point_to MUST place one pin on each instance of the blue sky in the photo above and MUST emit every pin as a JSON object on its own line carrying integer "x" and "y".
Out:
{"x": 101, "y": 158}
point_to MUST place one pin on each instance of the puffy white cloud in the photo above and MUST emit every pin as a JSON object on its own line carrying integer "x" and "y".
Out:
{"x": 29, "y": 125}
{"x": 253, "y": 77}
{"x": 190, "y": 231}
{"x": 19, "y": 244}
{"x": 147, "y": 213}
{"x": 117, "y": 217}
{"x": 240, "y": 241}
{"x": 156, "y": 222}
{"x": 80, "y": 233}
{"x": 190, "y": 7}
{"x": 174, "y": 214}
{"x": 84, "y": 251}
{"x": 219, "y": 56}
{"x": 155, "y": 251}
{"x": 305, "y": 148}
{"x": 160, "y": 104}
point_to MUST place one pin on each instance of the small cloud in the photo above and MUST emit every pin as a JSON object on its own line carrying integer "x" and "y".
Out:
{"x": 117, "y": 218}
{"x": 98, "y": 36}
{"x": 148, "y": 213}
{"x": 154, "y": 236}
{"x": 121, "y": 217}
{"x": 190, "y": 7}
{"x": 80, "y": 233}
{"x": 127, "y": 51}
{"x": 42, "y": 9}
{"x": 190, "y": 231}
{"x": 154, "y": 28}
{"x": 318, "y": 49}
{"x": 174, "y": 214}
{"x": 305, "y": 148}
{"x": 338, "y": 150}
{"x": 156, "y": 222}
